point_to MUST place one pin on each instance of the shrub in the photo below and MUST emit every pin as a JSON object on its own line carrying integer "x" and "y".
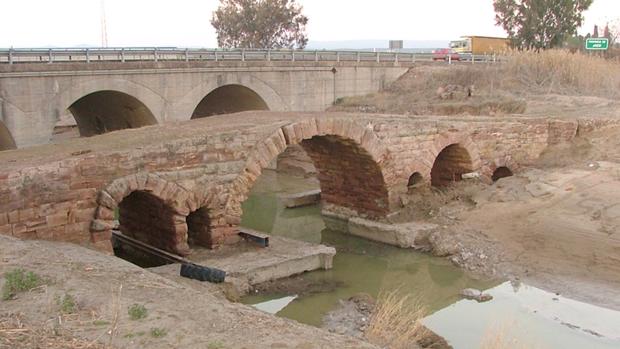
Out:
{"x": 67, "y": 304}
{"x": 137, "y": 312}
{"x": 19, "y": 280}
{"x": 158, "y": 332}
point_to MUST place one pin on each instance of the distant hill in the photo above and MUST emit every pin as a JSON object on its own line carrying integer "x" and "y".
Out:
{"x": 423, "y": 45}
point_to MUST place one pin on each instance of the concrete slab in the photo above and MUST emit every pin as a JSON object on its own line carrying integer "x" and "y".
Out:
{"x": 247, "y": 263}
{"x": 309, "y": 197}
{"x": 404, "y": 235}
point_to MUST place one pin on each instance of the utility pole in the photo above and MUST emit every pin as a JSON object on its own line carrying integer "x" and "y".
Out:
{"x": 104, "y": 29}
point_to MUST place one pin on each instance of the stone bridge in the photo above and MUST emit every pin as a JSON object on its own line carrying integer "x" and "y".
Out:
{"x": 41, "y": 102}
{"x": 183, "y": 184}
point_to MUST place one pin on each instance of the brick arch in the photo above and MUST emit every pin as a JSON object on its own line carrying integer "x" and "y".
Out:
{"x": 178, "y": 201}
{"x": 424, "y": 164}
{"x": 362, "y": 140}
{"x": 500, "y": 161}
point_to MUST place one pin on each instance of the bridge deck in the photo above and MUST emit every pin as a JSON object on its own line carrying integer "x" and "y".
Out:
{"x": 258, "y": 123}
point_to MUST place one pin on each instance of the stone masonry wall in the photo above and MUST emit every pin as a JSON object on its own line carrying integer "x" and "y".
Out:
{"x": 70, "y": 192}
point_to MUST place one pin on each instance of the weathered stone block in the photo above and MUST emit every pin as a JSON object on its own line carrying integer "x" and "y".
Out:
{"x": 310, "y": 197}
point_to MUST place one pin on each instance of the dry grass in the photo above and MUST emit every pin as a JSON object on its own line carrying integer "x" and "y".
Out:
{"x": 396, "y": 321}
{"x": 16, "y": 334}
{"x": 499, "y": 88}
{"x": 562, "y": 72}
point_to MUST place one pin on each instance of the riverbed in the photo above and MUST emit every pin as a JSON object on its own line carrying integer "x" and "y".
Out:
{"x": 362, "y": 266}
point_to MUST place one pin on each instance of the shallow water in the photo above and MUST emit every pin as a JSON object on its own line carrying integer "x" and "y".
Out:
{"x": 523, "y": 316}
{"x": 360, "y": 266}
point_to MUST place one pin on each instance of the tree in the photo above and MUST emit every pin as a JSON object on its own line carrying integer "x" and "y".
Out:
{"x": 613, "y": 32}
{"x": 595, "y": 31}
{"x": 539, "y": 24}
{"x": 260, "y": 24}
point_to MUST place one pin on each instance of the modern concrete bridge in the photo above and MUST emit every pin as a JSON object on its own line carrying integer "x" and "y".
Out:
{"x": 44, "y": 92}
{"x": 171, "y": 185}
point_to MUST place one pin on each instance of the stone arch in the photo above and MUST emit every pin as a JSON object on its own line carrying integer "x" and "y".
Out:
{"x": 505, "y": 162}
{"x": 457, "y": 152}
{"x": 501, "y": 172}
{"x": 134, "y": 191}
{"x": 58, "y": 105}
{"x": 229, "y": 99}
{"x": 415, "y": 179}
{"x": 338, "y": 185}
{"x": 185, "y": 107}
{"x": 7, "y": 141}
{"x": 451, "y": 162}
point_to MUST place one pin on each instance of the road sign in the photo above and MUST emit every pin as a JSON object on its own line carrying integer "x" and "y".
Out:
{"x": 597, "y": 44}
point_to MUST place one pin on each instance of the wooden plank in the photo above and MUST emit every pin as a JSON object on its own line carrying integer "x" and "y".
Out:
{"x": 255, "y": 236}
{"x": 148, "y": 248}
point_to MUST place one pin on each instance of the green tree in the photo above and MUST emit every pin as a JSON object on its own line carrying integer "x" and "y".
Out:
{"x": 260, "y": 24}
{"x": 539, "y": 24}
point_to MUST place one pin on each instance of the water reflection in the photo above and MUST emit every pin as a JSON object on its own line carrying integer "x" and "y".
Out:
{"x": 530, "y": 318}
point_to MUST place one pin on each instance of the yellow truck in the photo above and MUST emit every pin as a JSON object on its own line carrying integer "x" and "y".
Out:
{"x": 480, "y": 45}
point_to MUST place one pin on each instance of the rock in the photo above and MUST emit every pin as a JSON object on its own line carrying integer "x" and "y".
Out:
{"x": 477, "y": 295}
{"x": 442, "y": 246}
{"x": 470, "y": 293}
{"x": 351, "y": 316}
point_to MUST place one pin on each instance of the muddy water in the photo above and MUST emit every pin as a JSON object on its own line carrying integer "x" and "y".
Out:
{"x": 359, "y": 265}
{"x": 519, "y": 316}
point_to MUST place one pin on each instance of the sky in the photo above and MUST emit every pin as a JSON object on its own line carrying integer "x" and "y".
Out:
{"x": 186, "y": 23}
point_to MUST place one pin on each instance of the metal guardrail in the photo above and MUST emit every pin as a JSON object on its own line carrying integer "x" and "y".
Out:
{"x": 156, "y": 54}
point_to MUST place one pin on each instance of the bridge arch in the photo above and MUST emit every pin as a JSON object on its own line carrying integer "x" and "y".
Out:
{"x": 353, "y": 165}
{"x": 136, "y": 104}
{"x": 149, "y": 208}
{"x": 257, "y": 92}
{"x": 7, "y": 141}
{"x": 229, "y": 99}
{"x": 503, "y": 166}
{"x": 107, "y": 110}
{"x": 462, "y": 144}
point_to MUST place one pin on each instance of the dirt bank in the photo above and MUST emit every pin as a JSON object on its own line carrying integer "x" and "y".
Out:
{"x": 551, "y": 83}
{"x": 556, "y": 226}
{"x": 104, "y": 288}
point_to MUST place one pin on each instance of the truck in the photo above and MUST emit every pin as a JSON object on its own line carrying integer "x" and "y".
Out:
{"x": 480, "y": 45}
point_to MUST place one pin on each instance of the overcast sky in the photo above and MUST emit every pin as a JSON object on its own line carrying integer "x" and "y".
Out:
{"x": 38, "y": 23}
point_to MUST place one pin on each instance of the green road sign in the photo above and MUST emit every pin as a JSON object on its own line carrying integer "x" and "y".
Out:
{"x": 597, "y": 44}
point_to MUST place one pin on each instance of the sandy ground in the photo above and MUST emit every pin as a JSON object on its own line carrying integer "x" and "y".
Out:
{"x": 556, "y": 227}
{"x": 104, "y": 287}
